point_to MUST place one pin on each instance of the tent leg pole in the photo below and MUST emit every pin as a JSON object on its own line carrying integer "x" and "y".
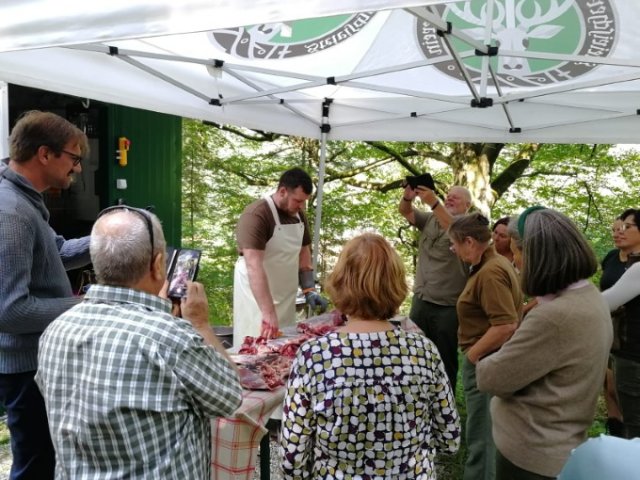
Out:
{"x": 316, "y": 227}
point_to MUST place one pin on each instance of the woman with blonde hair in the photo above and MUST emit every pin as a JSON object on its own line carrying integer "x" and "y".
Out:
{"x": 369, "y": 400}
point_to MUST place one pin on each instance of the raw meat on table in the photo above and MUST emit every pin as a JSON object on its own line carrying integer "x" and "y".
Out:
{"x": 262, "y": 372}
{"x": 322, "y": 324}
{"x": 287, "y": 346}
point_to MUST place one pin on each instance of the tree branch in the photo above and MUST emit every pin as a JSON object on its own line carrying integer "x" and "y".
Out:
{"x": 508, "y": 176}
{"x": 260, "y": 137}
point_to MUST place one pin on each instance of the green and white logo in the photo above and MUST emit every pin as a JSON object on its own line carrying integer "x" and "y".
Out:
{"x": 566, "y": 27}
{"x": 279, "y": 40}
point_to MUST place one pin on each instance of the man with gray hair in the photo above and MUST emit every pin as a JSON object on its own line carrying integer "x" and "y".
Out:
{"x": 130, "y": 388}
{"x": 440, "y": 275}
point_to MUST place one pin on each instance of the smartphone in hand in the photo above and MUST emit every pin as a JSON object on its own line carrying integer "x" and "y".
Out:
{"x": 183, "y": 268}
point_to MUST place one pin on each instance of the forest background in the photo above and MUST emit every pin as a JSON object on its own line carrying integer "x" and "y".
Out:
{"x": 225, "y": 168}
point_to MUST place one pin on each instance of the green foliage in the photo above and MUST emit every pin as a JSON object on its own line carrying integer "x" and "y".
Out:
{"x": 224, "y": 170}
{"x": 589, "y": 183}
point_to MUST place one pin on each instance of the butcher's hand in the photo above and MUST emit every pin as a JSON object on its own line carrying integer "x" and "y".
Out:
{"x": 316, "y": 302}
{"x": 195, "y": 306}
{"x": 270, "y": 326}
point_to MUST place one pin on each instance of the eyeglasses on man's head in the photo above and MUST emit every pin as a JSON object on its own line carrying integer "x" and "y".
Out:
{"x": 138, "y": 211}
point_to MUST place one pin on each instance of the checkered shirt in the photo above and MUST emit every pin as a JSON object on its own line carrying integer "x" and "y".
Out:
{"x": 129, "y": 389}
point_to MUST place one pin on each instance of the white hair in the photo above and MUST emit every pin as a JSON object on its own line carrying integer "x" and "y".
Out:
{"x": 120, "y": 246}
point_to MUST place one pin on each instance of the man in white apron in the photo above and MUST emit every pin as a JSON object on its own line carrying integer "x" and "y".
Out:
{"x": 275, "y": 256}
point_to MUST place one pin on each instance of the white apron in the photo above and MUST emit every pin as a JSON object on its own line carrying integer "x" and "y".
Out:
{"x": 281, "y": 264}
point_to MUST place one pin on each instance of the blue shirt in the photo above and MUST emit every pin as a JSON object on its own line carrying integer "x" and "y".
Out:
{"x": 34, "y": 287}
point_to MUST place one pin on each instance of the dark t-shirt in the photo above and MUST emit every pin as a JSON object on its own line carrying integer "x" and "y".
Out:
{"x": 612, "y": 269}
{"x": 256, "y": 225}
{"x": 629, "y": 327}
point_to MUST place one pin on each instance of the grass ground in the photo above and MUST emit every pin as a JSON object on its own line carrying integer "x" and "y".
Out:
{"x": 4, "y": 433}
{"x": 451, "y": 467}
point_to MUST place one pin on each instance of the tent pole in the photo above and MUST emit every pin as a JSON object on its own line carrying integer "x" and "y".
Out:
{"x": 4, "y": 120}
{"x": 487, "y": 41}
{"x": 325, "y": 128}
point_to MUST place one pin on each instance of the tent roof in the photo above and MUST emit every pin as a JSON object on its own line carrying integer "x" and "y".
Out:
{"x": 565, "y": 71}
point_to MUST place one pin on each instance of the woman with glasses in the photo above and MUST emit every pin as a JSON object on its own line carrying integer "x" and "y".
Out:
{"x": 626, "y": 239}
{"x": 621, "y": 285}
{"x": 546, "y": 379}
{"x": 488, "y": 313}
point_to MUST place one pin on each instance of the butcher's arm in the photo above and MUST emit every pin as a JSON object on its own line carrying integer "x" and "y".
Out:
{"x": 305, "y": 259}
{"x": 254, "y": 260}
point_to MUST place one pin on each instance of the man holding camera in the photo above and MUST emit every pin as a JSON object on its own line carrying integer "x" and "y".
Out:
{"x": 440, "y": 275}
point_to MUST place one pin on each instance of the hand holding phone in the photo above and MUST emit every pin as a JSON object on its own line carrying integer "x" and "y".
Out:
{"x": 183, "y": 269}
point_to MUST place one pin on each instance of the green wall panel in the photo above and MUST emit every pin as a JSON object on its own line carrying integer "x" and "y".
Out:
{"x": 153, "y": 172}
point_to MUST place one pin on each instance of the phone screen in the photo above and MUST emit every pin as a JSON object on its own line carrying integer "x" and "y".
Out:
{"x": 184, "y": 268}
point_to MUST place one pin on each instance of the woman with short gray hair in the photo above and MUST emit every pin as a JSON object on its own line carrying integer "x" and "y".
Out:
{"x": 488, "y": 313}
{"x": 547, "y": 377}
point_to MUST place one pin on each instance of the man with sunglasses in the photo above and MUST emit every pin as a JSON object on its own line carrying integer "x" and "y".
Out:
{"x": 45, "y": 152}
{"x": 130, "y": 388}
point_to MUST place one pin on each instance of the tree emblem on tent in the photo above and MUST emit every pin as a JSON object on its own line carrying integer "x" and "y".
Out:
{"x": 280, "y": 40}
{"x": 565, "y": 27}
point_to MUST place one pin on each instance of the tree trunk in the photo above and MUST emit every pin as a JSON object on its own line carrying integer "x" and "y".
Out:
{"x": 472, "y": 164}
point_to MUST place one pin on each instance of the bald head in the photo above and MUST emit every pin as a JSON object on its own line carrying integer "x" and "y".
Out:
{"x": 121, "y": 250}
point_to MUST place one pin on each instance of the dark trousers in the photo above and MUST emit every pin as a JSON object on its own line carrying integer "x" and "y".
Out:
{"x": 33, "y": 455}
{"x": 627, "y": 377}
{"x": 505, "y": 470}
{"x": 440, "y": 324}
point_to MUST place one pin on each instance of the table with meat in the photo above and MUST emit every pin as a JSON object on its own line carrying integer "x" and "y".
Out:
{"x": 264, "y": 367}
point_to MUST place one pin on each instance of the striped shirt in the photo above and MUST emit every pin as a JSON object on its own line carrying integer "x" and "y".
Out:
{"x": 129, "y": 389}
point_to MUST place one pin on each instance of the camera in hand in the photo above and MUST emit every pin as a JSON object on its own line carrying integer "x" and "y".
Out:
{"x": 426, "y": 180}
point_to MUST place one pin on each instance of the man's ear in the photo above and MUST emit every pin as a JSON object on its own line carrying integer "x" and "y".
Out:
{"x": 281, "y": 192}
{"x": 43, "y": 153}
{"x": 158, "y": 267}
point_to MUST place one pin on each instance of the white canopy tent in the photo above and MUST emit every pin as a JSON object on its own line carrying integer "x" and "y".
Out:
{"x": 558, "y": 71}
{"x": 567, "y": 69}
